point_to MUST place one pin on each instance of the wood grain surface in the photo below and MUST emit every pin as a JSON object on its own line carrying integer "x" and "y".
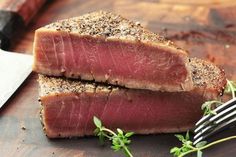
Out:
{"x": 206, "y": 28}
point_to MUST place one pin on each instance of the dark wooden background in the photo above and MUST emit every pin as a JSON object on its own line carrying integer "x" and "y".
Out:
{"x": 206, "y": 28}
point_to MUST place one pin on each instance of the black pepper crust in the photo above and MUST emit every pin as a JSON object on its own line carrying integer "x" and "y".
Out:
{"x": 203, "y": 72}
{"x": 109, "y": 25}
{"x": 54, "y": 85}
{"x": 205, "y": 76}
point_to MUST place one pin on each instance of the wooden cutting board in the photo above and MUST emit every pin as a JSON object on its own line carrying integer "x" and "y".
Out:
{"x": 206, "y": 28}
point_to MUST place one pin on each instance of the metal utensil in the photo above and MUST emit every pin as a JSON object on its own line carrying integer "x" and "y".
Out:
{"x": 14, "y": 68}
{"x": 211, "y": 124}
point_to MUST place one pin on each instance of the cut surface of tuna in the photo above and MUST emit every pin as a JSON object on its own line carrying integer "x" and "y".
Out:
{"x": 68, "y": 105}
{"x": 106, "y": 47}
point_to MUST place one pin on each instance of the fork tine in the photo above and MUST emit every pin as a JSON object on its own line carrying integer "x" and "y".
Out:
{"x": 217, "y": 110}
{"x": 214, "y": 124}
{"x": 226, "y": 111}
{"x": 214, "y": 118}
{"x": 217, "y": 129}
{"x": 204, "y": 131}
{"x": 203, "y": 120}
{"x": 226, "y": 117}
{"x": 200, "y": 127}
{"x": 198, "y": 140}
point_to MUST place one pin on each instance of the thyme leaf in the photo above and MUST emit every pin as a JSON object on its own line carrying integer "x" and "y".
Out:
{"x": 119, "y": 139}
{"x": 207, "y": 107}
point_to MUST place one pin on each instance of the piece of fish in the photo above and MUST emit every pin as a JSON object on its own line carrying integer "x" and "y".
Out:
{"x": 68, "y": 105}
{"x": 106, "y": 47}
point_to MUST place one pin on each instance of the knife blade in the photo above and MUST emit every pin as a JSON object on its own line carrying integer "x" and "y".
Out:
{"x": 14, "y": 68}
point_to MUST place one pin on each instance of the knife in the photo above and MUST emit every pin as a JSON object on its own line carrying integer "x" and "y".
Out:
{"x": 14, "y": 67}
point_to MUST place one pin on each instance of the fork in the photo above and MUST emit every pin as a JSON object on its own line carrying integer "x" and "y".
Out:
{"x": 208, "y": 125}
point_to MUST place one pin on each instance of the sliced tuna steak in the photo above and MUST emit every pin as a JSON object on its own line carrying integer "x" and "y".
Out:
{"x": 68, "y": 106}
{"x": 105, "y": 47}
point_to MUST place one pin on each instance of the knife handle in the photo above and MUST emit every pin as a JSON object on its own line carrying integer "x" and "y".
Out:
{"x": 14, "y": 16}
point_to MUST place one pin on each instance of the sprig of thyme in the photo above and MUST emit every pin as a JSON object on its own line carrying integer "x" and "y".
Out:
{"x": 120, "y": 140}
{"x": 207, "y": 107}
{"x": 187, "y": 145}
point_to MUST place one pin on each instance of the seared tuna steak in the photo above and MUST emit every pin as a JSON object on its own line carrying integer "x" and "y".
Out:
{"x": 68, "y": 106}
{"x": 105, "y": 47}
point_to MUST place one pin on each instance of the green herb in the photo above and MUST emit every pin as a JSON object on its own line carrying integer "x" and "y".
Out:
{"x": 120, "y": 140}
{"x": 207, "y": 107}
{"x": 230, "y": 88}
{"x": 188, "y": 147}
